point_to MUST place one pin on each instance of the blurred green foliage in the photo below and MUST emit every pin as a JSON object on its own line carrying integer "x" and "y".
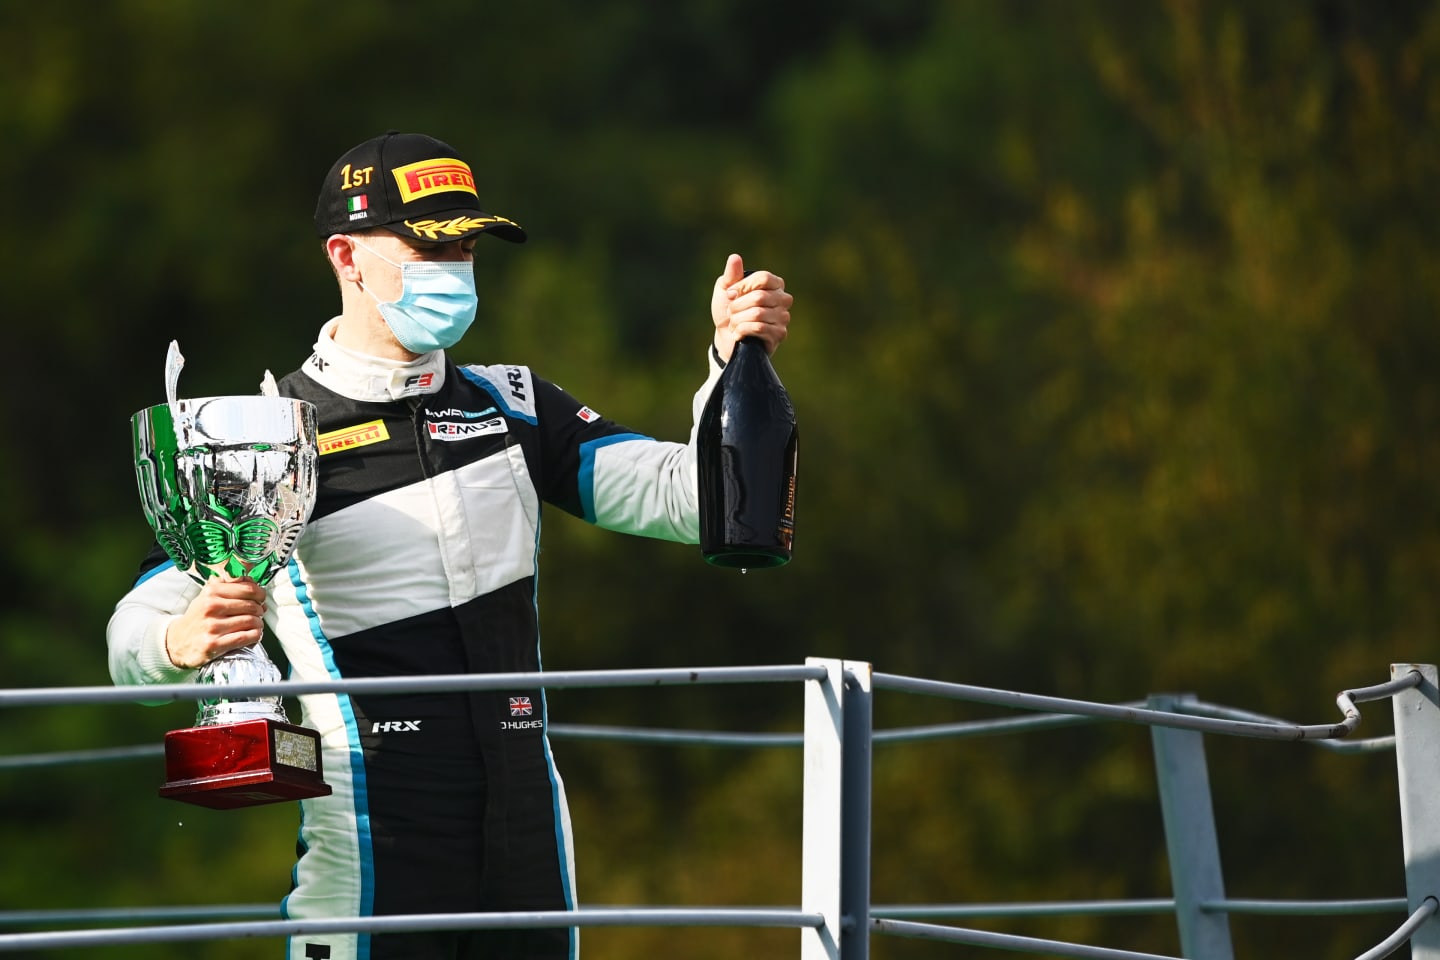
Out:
{"x": 1114, "y": 354}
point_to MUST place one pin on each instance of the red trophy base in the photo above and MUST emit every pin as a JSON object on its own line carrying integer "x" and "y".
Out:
{"x": 243, "y": 764}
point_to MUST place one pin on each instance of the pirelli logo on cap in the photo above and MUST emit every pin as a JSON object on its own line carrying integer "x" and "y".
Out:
{"x": 345, "y": 438}
{"x": 421, "y": 179}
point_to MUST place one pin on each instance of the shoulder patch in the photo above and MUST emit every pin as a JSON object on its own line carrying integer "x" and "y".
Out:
{"x": 512, "y": 387}
{"x": 517, "y": 380}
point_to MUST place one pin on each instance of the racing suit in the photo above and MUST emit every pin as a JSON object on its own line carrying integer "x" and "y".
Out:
{"x": 421, "y": 558}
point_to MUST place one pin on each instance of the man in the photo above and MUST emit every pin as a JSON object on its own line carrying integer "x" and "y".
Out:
{"x": 420, "y": 558}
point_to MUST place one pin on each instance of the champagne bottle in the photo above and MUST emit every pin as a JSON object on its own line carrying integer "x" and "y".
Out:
{"x": 747, "y": 445}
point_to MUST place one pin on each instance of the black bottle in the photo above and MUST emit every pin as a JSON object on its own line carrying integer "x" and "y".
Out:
{"x": 747, "y": 445}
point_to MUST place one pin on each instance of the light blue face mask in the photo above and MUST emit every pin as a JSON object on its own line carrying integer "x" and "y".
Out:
{"x": 436, "y": 305}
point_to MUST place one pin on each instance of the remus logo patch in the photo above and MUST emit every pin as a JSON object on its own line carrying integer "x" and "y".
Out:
{"x": 464, "y": 430}
{"x": 417, "y": 180}
{"x": 361, "y": 435}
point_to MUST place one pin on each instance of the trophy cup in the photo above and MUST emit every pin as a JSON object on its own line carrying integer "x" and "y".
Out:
{"x": 227, "y": 484}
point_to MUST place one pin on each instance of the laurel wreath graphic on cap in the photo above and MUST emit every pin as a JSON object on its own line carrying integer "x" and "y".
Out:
{"x": 435, "y": 229}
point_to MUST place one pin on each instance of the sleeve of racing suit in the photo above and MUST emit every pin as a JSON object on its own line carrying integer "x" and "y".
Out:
{"x": 615, "y": 478}
{"x": 136, "y": 632}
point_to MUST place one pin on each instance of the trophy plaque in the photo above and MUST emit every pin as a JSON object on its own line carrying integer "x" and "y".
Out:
{"x": 228, "y": 484}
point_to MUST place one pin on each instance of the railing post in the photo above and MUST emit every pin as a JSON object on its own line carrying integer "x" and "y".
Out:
{"x": 822, "y": 831}
{"x": 1190, "y": 836}
{"x": 1417, "y": 757}
{"x": 855, "y": 811}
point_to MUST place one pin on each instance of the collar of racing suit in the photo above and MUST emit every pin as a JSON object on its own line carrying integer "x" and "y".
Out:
{"x": 360, "y": 376}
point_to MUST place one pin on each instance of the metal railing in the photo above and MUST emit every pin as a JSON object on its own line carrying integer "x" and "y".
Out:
{"x": 836, "y": 918}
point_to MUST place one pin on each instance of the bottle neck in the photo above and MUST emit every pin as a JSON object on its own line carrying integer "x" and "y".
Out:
{"x": 747, "y": 344}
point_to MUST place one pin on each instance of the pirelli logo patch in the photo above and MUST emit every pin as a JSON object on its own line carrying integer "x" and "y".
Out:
{"x": 361, "y": 435}
{"x": 417, "y": 180}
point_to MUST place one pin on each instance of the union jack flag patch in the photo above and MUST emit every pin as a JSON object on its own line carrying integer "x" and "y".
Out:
{"x": 520, "y": 707}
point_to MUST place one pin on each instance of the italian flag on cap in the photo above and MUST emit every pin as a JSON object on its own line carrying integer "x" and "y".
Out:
{"x": 354, "y": 204}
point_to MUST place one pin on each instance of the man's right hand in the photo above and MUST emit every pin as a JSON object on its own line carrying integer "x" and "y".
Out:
{"x": 226, "y": 614}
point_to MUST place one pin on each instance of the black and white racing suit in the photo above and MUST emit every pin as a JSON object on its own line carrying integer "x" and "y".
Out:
{"x": 421, "y": 558}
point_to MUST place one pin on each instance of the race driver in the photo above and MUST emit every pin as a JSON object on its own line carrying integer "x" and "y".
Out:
{"x": 421, "y": 559}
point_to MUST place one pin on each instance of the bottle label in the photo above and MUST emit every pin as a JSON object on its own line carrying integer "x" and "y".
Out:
{"x": 786, "y": 531}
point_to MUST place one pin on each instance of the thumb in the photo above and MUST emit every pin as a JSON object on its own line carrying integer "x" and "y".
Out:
{"x": 734, "y": 270}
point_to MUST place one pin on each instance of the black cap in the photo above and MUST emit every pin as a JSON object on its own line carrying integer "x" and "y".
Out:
{"x": 410, "y": 184}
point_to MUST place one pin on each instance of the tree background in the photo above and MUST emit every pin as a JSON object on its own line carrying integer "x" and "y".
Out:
{"x": 1114, "y": 355}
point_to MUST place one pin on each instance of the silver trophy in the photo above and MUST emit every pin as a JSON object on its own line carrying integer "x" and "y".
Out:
{"x": 228, "y": 484}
